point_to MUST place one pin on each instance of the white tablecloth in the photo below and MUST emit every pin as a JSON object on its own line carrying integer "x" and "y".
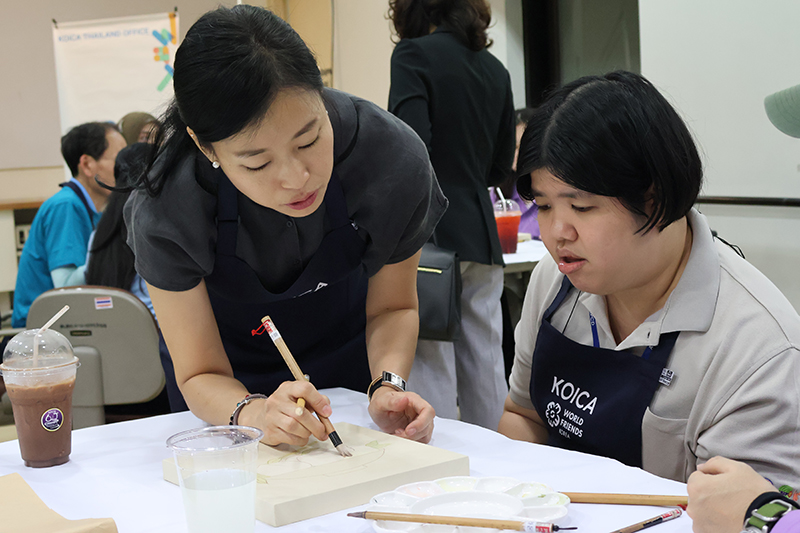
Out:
{"x": 528, "y": 254}
{"x": 115, "y": 471}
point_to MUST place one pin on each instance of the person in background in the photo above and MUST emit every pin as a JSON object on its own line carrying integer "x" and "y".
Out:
{"x": 457, "y": 96}
{"x": 514, "y": 286}
{"x": 55, "y": 252}
{"x": 643, "y": 338}
{"x": 138, "y": 127}
{"x": 527, "y": 223}
{"x": 110, "y": 262}
{"x": 723, "y": 493}
{"x": 272, "y": 195}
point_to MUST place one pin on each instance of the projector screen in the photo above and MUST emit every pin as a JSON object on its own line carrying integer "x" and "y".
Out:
{"x": 716, "y": 61}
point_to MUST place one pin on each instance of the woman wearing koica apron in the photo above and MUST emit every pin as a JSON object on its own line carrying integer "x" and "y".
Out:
{"x": 643, "y": 337}
{"x": 270, "y": 195}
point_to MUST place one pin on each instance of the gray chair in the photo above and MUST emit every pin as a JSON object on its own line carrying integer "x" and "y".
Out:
{"x": 116, "y": 339}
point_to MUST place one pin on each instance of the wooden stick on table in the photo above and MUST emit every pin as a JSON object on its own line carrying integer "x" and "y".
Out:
{"x": 491, "y": 523}
{"x": 627, "y": 499}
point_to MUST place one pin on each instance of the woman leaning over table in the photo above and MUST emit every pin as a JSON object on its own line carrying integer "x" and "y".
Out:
{"x": 644, "y": 338}
{"x": 274, "y": 196}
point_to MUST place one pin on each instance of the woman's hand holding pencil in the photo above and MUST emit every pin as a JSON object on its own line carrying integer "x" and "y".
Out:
{"x": 402, "y": 413}
{"x": 281, "y": 419}
{"x": 300, "y": 401}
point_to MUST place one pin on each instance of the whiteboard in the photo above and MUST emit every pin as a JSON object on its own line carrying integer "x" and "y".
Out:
{"x": 716, "y": 61}
{"x": 31, "y": 133}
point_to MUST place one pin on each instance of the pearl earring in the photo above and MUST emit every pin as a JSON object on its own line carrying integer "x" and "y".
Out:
{"x": 215, "y": 164}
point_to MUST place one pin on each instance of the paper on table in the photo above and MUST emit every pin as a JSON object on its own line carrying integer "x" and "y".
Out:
{"x": 23, "y": 512}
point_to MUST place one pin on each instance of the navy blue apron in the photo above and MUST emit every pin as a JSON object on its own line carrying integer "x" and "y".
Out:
{"x": 322, "y": 316}
{"x": 593, "y": 399}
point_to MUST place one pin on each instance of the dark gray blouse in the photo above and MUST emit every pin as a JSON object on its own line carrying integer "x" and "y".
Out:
{"x": 388, "y": 182}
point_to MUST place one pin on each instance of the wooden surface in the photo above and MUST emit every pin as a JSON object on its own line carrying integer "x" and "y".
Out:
{"x": 21, "y": 204}
{"x": 297, "y": 483}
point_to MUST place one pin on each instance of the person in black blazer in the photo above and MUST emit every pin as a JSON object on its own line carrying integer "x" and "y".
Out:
{"x": 457, "y": 97}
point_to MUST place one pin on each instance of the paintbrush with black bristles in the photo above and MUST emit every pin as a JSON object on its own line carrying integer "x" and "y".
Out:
{"x": 280, "y": 344}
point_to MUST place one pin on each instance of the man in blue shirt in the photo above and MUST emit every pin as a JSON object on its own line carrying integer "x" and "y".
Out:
{"x": 55, "y": 251}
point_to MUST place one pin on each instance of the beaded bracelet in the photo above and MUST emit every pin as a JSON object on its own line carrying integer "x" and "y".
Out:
{"x": 239, "y": 406}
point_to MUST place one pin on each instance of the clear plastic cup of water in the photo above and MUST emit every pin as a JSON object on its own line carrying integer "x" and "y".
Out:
{"x": 217, "y": 473}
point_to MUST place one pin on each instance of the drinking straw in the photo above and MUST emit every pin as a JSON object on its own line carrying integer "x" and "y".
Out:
{"x": 502, "y": 198}
{"x": 41, "y": 330}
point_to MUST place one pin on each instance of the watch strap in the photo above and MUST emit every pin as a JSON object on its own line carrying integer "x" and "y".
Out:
{"x": 766, "y": 510}
{"x": 389, "y": 379}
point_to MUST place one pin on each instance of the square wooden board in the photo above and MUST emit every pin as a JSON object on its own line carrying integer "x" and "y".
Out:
{"x": 297, "y": 483}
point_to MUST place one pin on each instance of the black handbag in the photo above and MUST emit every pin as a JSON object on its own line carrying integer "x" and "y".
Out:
{"x": 439, "y": 292}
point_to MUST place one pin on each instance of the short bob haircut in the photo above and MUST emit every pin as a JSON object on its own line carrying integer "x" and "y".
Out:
{"x": 467, "y": 19}
{"x": 229, "y": 68}
{"x": 615, "y": 136}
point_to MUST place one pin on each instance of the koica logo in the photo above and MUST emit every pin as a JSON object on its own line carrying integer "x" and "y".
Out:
{"x": 552, "y": 414}
{"x": 574, "y": 395}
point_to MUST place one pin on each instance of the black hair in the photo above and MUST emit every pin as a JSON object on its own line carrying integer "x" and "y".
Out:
{"x": 524, "y": 115}
{"x": 228, "y": 70}
{"x": 110, "y": 258}
{"x": 89, "y": 139}
{"x": 615, "y": 136}
{"x": 467, "y": 19}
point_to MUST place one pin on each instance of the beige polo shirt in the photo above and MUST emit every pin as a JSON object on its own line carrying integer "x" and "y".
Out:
{"x": 736, "y": 363}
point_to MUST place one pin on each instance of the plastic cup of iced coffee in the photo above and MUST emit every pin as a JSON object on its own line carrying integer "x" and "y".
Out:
{"x": 507, "y": 215}
{"x": 39, "y": 370}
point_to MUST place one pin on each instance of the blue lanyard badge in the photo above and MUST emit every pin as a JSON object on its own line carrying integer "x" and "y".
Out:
{"x": 667, "y": 375}
{"x": 595, "y": 336}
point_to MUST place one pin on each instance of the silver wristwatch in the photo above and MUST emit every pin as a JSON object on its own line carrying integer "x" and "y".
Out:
{"x": 389, "y": 379}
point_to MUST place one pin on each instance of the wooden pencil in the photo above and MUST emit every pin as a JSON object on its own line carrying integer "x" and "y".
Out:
{"x": 280, "y": 344}
{"x": 491, "y": 523}
{"x": 627, "y": 499}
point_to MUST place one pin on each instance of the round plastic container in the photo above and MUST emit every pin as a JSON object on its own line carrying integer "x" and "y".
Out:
{"x": 217, "y": 473}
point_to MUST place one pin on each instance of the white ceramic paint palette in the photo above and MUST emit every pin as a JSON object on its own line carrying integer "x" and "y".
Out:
{"x": 465, "y": 496}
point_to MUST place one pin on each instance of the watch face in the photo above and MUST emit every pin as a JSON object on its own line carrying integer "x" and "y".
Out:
{"x": 394, "y": 380}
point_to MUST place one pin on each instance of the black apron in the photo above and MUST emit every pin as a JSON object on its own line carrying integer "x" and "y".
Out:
{"x": 593, "y": 399}
{"x": 322, "y": 316}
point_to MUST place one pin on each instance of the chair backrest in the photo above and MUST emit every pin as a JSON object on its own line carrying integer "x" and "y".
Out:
{"x": 120, "y": 328}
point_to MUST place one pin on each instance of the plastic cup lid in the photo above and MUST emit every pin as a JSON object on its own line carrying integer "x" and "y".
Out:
{"x": 53, "y": 350}
{"x": 506, "y": 205}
